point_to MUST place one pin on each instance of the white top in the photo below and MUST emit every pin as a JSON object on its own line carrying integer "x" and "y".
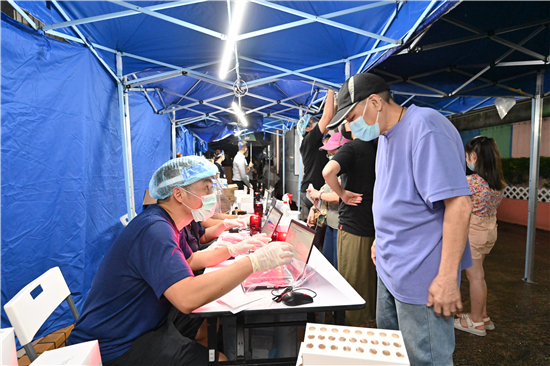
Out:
{"x": 239, "y": 167}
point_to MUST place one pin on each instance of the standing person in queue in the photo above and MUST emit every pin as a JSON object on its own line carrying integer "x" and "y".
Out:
{"x": 487, "y": 186}
{"x": 421, "y": 210}
{"x": 241, "y": 167}
{"x": 354, "y": 163}
{"x": 144, "y": 287}
{"x": 219, "y": 157}
{"x": 313, "y": 159}
{"x": 329, "y": 202}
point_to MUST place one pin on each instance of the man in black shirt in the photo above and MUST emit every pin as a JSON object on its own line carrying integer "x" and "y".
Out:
{"x": 355, "y": 162}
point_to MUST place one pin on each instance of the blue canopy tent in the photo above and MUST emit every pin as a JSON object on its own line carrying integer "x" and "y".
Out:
{"x": 479, "y": 51}
{"x": 154, "y": 64}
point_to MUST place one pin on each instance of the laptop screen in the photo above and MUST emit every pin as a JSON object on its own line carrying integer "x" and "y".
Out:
{"x": 272, "y": 221}
{"x": 301, "y": 239}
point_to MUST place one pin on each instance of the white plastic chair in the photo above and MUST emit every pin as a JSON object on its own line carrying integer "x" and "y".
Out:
{"x": 8, "y": 354}
{"x": 28, "y": 311}
{"x": 81, "y": 354}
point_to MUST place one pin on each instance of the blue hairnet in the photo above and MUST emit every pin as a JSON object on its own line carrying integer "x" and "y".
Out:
{"x": 179, "y": 172}
{"x": 302, "y": 124}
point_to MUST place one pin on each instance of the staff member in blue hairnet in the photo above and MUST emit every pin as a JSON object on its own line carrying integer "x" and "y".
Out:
{"x": 144, "y": 288}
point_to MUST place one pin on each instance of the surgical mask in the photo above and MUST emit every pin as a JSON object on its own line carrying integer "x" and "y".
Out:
{"x": 472, "y": 167}
{"x": 330, "y": 156}
{"x": 364, "y": 131}
{"x": 208, "y": 209}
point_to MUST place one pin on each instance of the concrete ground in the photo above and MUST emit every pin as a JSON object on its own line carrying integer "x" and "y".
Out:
{"x": 521, "y": 311}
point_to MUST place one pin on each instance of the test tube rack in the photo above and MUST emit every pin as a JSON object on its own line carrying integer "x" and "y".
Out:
{"x": 341, "y": 345}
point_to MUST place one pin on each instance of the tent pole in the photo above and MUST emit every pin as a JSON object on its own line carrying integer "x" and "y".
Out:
{"x": 536, "y": 124}
{"x": 126, "y": 140}
{"x": 268, "y": 166}
{"x": 174, "y": 139}
{"x": 284, "y": 158}
{"x": 299, "y": 158}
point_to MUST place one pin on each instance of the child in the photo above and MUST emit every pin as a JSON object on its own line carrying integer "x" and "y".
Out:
{"x": 487, "y": 185}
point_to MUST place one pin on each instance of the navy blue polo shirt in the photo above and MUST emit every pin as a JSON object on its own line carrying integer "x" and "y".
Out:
{"x": 126, "y": 298}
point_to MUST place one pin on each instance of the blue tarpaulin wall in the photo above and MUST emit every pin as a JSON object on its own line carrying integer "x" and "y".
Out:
{"x": 62, "y": 170}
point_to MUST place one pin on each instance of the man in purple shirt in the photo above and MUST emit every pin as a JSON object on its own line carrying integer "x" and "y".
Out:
{"x": 421, "y": 208}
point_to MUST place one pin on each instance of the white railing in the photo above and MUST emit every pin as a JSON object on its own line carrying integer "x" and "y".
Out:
{"x": 521, "y": 193}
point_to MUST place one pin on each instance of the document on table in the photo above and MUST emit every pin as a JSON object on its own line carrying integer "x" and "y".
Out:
{"x": 237, "y": 300}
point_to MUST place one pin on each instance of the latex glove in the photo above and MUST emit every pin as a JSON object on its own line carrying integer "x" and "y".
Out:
{"x": 271, "y": 256}
{"x": 262, "y": 237}
{"x": 218, "y": 244}
{"x": 229, "y": 223}
{"x": 244, "y": 246}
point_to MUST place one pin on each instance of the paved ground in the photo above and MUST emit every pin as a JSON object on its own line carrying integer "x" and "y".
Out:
{"x": 521, "y": 311}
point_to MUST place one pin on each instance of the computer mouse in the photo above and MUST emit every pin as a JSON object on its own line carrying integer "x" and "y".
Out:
{"x": 296, "y": 298}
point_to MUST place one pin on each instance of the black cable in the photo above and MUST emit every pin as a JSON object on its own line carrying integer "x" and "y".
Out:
{"x": 278, "y": 297}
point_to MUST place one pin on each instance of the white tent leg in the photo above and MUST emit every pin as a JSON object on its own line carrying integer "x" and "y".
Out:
{"x": 536, "y": 123}
{"x": 174, "y": 150}
{"x": 126, "y": 141}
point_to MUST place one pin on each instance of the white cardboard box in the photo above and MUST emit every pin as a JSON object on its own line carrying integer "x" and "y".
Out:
{"x": 340, "y": 345}
{"x": 7, "y": 340}
{"x": 82, "y": 354}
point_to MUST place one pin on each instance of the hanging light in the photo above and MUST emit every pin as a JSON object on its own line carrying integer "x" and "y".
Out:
{"x": 239, "y": 114}
{"x": 234, "y": 27}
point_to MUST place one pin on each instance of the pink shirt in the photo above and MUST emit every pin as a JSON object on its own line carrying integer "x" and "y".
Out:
{"x": 484, "y": 198}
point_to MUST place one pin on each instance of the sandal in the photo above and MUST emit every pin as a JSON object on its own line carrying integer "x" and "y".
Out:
{"x": 489, "y": 325}
{"x": 471, "y": 328}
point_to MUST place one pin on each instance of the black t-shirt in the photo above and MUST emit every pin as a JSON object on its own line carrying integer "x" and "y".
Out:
{"x": 314, "y": 160}
{"x": 193, "y": 233}
{"x": 220, "y": 168}
{"x": 357, "y": 160}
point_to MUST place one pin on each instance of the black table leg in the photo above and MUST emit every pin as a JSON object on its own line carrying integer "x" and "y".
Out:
{"x": 212, "y": 324}
{"x": 340, "y": 317}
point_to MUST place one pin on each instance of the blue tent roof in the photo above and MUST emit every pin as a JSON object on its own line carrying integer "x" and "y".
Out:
{"x": 477, "y": 51}
{"x": 289, "y": 51}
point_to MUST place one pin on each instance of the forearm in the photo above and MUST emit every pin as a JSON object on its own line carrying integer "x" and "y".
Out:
{"x": 213, "y": 232}
{"x": 193, "y": 292}
{"x": 222, "y": 216}
{"x": 455, "y": 234}
{"x": 328, "y": 112}
{"x": 330, "y": 172}
{"x": 205, "y": 259}
{"x": 330, "y": 197}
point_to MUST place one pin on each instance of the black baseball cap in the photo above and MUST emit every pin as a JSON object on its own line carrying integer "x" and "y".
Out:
{"x": 354, "y": 90}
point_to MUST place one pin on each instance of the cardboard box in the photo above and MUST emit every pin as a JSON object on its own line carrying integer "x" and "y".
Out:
{"x": 230, "y": 192}
{"x": 148, "y": 200}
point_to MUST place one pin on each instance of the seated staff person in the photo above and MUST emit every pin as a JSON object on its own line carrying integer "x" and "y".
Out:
{"x": 144, "y": 287}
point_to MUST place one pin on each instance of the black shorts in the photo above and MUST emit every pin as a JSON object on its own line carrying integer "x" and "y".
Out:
{"x": 170, "y": 344}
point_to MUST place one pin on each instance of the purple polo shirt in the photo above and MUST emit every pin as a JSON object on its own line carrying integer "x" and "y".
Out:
{"x": 420, "y": 162}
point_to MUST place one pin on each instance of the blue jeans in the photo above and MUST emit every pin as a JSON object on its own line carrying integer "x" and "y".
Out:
{"x": 429, "y": 339}
{"x": 330, "y": 247}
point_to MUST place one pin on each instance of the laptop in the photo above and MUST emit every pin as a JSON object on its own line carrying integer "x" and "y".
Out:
{"x": 300, "y": 237}
{"x": 271, "y": 222}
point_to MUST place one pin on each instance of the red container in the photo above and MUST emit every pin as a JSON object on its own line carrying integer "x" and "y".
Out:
{"x": 281, "y": 236}
{"x": 258, "y": 209}
{"x": 255, "y": 224}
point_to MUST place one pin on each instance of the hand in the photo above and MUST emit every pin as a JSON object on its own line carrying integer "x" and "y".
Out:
{"x": 251, "y": 165}
{"x": 444, "y": 296}
{"x": 351, "y": 199}
{"x": 218, "y": 244}
{"x": 262, "y": 237}
{"x": 244, "y": 246}
{"x": 271, "y": 256}
{"x": 373, "y": 252}
{"x": 229, "y": 223}
{"x": 311, "y": 218}
{"x": 313, "y": 193}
